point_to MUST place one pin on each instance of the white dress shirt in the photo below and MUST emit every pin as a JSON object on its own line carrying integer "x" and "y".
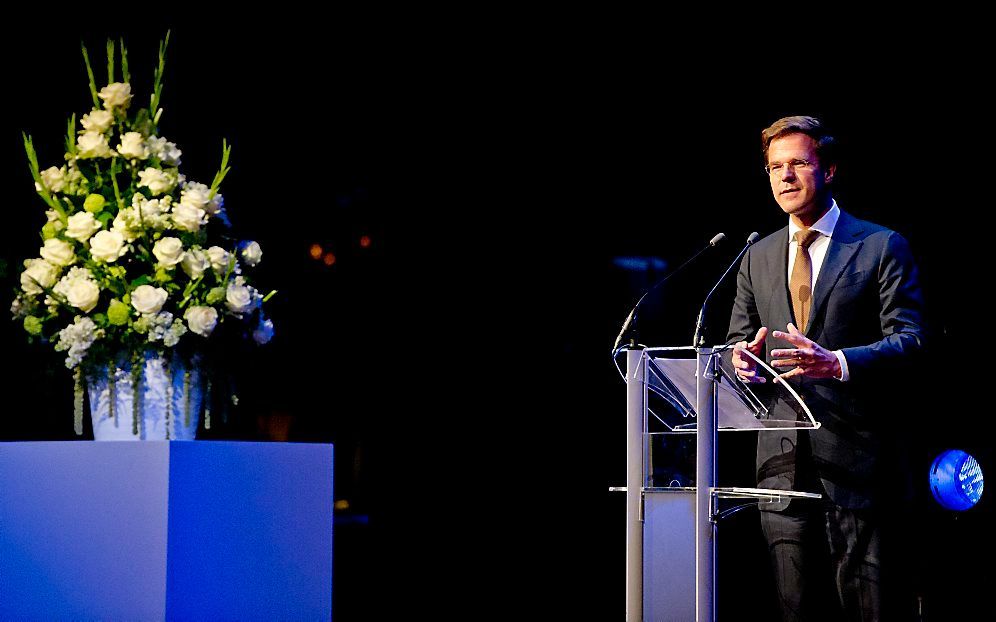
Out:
{"x": 817, "y": 253}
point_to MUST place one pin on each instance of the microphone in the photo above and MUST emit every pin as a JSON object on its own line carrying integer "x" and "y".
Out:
{"x": 631, "y": 318}
{"x": 699, "y": 339}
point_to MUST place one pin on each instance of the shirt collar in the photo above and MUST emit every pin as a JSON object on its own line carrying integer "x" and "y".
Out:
{"x": 824, "y": 225}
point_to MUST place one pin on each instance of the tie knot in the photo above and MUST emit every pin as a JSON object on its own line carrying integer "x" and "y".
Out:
{"x": 805, "y": 237}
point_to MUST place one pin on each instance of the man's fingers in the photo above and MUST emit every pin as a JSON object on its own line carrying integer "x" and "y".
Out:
{"x": 795, "y": 339}
{"x": 750, "y": 377}
{"x": 789, "y": 374}
{"x": 759, "y": 337}
{"x": 785, "y": 363}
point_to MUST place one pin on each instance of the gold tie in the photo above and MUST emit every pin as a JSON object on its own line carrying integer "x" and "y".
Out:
{"x": 801, "y": 283}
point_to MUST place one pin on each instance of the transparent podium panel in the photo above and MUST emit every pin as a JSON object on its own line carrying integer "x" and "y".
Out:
{"x": 669, "y": 546}
{"x": 769, "y": 404}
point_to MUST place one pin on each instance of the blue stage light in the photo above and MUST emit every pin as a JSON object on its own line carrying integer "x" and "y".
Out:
{"x": 956, "y": 480}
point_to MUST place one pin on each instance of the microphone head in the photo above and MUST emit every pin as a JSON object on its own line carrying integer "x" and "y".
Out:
{"x": 753, "y": 237}
{"x": 717, "y": 239}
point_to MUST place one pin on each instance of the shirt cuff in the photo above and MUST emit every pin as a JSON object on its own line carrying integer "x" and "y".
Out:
{"x": 844, "y": 375}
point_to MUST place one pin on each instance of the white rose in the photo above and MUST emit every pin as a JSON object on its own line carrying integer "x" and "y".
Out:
{"x": 188, "y": 218}
{"x": 82, "y": 225}
{"x": 169, "y": 251}
{"x": 195, "y": 194}
{"x": 83, "y": 294}
{"x": 264, "y": 332}
{"x": 195, "y": 262}
{"x": 58, "y": 252}
{"x": 148, "y": 299}
{"x": 97, "y": 121}
{"x": 239, "y": 298}
{"x": 116, "y": 95}
{"x": 252, "y": 253}
{"x": 93, "y": 145}
{"x": 219, "y": 259}
{"x": 156, "y": 180}
{"x": 107, "y": 246}
{"x": 54, "y": 179}
{"x": 38, "y": 273}
{"x": 133, "y": 146}
{"x": 201, "y": 320}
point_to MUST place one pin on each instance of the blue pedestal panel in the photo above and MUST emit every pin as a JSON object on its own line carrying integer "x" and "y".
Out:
{"x": 165, "y": 530}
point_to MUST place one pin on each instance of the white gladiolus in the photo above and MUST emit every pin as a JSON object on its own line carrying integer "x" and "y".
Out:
{"x": 126, "y": 224}
{"x": 93, "y": 145}
{"x": 215, "y": 204}
{"x": 133, "y": 146}
{"x": 97, "y": 121}
{"x": 165, "y": 151}
{"x": 116, "y": 95}
{"x": 155, "y": 212}
{"x": 54, "y": 179}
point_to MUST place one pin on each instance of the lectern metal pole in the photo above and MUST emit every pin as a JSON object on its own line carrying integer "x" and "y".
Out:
{"x": 705, "y": 480}
{"x": 636, "y": 399}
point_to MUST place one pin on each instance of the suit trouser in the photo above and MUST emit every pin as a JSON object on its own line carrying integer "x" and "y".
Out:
{"x": 826, "y": 561}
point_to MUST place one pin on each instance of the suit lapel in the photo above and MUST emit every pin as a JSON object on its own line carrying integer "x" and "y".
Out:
{"x": 844, "y": 244}
{"x": 780, "y": 303}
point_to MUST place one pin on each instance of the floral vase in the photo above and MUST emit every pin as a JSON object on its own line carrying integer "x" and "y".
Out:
{"x": 166, "y": 404}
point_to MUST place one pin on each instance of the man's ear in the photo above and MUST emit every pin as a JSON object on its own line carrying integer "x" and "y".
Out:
{"x": 829, "y": 173}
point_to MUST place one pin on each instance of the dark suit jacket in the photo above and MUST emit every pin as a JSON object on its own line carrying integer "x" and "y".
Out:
{"x": 867, "y": 303}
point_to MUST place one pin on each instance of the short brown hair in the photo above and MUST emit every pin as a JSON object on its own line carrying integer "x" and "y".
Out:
{"x": 810, "y": 126}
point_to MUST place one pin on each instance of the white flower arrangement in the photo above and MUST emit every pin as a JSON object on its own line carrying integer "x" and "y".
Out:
{"x": 135, "y": 256}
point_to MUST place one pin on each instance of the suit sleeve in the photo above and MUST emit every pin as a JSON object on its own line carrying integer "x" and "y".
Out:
{"x": 901, "y": 314}
{"x": 744, "y": 320}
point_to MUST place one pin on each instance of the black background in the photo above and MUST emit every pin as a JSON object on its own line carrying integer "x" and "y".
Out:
{"x": 461, "y": 363}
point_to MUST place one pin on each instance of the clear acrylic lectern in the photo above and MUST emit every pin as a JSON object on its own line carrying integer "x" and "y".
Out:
{"x": 671, "y": 532}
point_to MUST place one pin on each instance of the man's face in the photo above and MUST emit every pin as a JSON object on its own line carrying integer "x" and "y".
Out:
{"x": 799, "y": 188}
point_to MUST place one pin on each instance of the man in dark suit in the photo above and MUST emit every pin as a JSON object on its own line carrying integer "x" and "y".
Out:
{"x": 835, "y": 302}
